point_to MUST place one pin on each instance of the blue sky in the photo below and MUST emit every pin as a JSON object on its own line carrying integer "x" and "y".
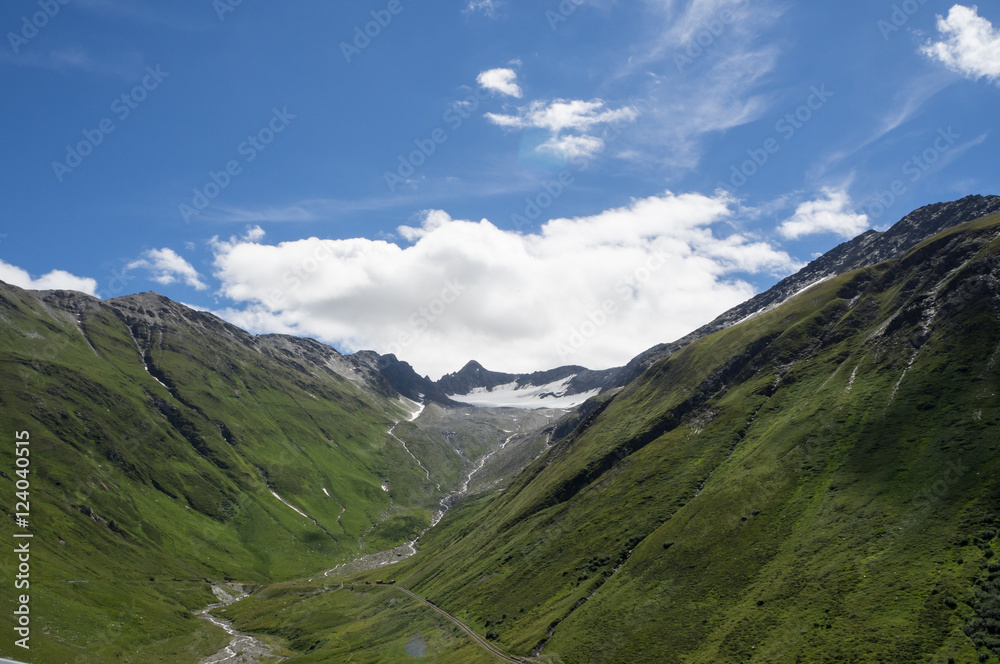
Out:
{"x": 525, "y": 183}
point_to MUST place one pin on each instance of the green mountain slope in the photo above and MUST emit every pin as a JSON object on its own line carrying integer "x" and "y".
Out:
{"x": 159, "y": 438}
{"x": 817, "y": 484}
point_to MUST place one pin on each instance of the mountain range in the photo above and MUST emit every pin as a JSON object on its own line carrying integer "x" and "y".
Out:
{"x": 807, "y": 478}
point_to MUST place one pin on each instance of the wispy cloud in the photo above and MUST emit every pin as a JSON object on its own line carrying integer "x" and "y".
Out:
{"x": 572, "y": 147}
{"x": 701, "y": 67}
{"x": 139, "y": 11}
{"x": 127, "y": 66}
{"x": 685, "y": 112}
{"x": 310, "y": 210}
{"x": 905, "y": 105}
{"x": 487, "y": 7}
{"x": 332, "y": 210}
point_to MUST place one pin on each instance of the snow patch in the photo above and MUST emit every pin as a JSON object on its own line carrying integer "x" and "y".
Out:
{"x": 854, "y": 374}
{"x": 273, "y": 493}
{"x": 787, "y": 299}
{"x": 410, "y": 405}
{"x": 510, "y": 395}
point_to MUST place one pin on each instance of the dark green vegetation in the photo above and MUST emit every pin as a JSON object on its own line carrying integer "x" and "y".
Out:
{"x": 817, "y": 484}
{"x": 141, "y": 491}
{"x": 361, "y": 624}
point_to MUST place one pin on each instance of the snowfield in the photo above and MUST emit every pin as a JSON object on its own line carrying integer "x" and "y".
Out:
{"x": 529, "y": 397}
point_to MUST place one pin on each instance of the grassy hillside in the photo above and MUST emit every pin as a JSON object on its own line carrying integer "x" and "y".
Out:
{"x": 817, "y": 484}
{"x": 157, "y": 437}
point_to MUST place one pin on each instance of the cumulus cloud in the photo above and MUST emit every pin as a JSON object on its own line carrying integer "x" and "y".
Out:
{"x": 564, "y": 115}
{"x": 591, "y": 290}
{"x": 831, "y": 214}
{"x": 167, "y": 267}
{"x": 502, "y": 80}
{"x": 54, "y": 280}
{"x": 970, "y": 44}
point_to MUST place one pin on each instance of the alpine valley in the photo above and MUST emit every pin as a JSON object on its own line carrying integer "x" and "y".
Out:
{"x": 811, "y": 477}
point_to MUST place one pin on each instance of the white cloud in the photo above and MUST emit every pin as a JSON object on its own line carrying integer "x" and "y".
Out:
{"x": 566, "y": 115}
{"x": 167, "y": 267}
{"x": 54, "y": 280}
{"x": 488, "y": 7}
{"x": 502, "y": 80}
{"x": 971, "y": 45}
{"x": 455, "y": 290}
{"x": 832, "y": 214}
{"x": 570, "y": 147}
{"x": 254, "y": 233}
{"x": 562, "y": 114}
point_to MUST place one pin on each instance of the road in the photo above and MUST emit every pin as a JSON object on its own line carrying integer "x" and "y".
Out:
{"x": 475, "y": 637}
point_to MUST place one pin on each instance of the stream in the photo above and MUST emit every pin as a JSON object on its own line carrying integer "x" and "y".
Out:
{"x": 242, "y": 648}
{"x": 245, "y": 649}
{"x": 404, "y": 551}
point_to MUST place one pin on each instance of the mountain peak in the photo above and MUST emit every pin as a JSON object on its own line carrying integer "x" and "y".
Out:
{"x": 869, "y": 248}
